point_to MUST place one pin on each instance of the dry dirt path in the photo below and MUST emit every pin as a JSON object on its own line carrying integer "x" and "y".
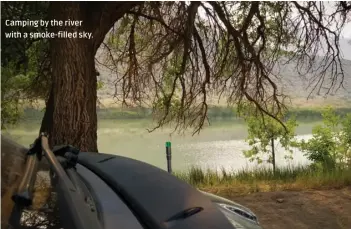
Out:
{"x": 326, "y": 209}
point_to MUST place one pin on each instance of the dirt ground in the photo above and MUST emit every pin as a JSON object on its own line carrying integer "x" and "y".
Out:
{"x": 327, "y": 209}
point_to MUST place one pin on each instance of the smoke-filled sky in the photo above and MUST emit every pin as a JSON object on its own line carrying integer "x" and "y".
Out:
{"x": 345, "y": 42}
{"x": 347, "y": 31}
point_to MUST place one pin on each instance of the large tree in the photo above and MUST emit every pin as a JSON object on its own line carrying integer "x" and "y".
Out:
{"x": 70, "y": 115}
{"x": 174, "y": 55}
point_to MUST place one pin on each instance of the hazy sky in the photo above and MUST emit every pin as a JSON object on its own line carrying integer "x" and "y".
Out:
{"x": 345, "y": 44}
{"x": 347, "y": 31}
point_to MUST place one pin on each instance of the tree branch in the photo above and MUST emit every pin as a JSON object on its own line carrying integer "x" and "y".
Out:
{"x": 106, "y": 15}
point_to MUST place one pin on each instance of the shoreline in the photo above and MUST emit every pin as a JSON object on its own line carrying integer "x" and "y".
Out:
{"x": 215, "y": 113}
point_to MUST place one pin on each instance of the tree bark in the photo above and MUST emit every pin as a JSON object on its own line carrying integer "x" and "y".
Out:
{"x": 12, "y": 167}
{"x": 73, "y": 82}
{"x": 70, "y": 116}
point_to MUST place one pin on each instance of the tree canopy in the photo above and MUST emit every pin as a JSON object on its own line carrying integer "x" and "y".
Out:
{"x": 174, "y": 55}
{"x": 177, "y": 54}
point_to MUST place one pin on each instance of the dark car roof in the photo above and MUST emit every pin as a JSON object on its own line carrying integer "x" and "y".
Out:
{"x": 157, "y": 198}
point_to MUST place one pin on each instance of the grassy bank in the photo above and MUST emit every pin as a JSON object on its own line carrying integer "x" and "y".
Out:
{"x": 263, "y": 180}
{"x": 214, "y": 113}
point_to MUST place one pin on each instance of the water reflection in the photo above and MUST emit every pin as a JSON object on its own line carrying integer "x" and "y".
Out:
{"x": 218, "y": 146}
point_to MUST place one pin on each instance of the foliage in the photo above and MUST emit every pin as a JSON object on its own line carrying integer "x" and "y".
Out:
{"x": 330, "y": 143}
{"x": 263, "y": 133}
{"x": 230, "y": 49}
{"x": 15, "y": 50}
{"x": 9, "y": 111}
{"x": 100, "y": 85}
{"x": 24, "y": 62}
{"x": 346, "y": 130}
{"x": 21, "y": 85}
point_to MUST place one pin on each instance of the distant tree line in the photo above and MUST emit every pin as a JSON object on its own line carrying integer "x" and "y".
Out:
{"x": 214, "y": 113}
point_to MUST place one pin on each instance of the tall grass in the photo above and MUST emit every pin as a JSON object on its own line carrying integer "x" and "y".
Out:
{"x": 262, "y": 180}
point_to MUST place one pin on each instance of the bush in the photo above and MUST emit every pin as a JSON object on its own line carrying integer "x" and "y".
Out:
{"x": 330, "y": 145}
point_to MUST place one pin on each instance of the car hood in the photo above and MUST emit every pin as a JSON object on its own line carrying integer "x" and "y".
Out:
{"x": 218, "y": 199}
{"x": 240, "y": 216}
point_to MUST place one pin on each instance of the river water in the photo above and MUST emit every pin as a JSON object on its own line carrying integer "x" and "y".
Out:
{"x": 217, "y": 146}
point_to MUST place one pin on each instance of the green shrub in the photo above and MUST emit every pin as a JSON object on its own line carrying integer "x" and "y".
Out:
{"x": 330, "y": 145}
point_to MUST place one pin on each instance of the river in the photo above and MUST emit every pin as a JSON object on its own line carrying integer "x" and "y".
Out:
{"x": 217, "y": 146}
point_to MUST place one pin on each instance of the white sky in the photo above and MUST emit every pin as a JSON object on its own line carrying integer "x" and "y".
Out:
{"x": 347, "y": 31}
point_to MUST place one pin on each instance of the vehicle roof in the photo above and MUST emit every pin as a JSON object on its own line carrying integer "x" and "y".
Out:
{"x": 157, "y": 198}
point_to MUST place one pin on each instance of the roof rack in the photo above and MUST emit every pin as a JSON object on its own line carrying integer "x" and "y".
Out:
{"x": 79, "y": 212}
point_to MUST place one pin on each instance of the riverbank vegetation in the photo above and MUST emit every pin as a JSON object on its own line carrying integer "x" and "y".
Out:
{"x": 264, "y": 134}
{"x": 329, "y": 151}
{"x": 264, "y": 180}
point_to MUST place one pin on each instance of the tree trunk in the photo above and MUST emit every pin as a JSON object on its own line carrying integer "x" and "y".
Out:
{"x": 73, "y": 82}
{"x": 70, "y": 116}
{"x": 12, "y": 167}
{"x": 273, "y": 154}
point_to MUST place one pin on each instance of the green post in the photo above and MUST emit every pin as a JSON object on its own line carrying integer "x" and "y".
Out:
{"x": 169, "y": 156}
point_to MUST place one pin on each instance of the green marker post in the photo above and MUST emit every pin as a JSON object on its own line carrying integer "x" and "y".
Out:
{"x": 169, "y": 156}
